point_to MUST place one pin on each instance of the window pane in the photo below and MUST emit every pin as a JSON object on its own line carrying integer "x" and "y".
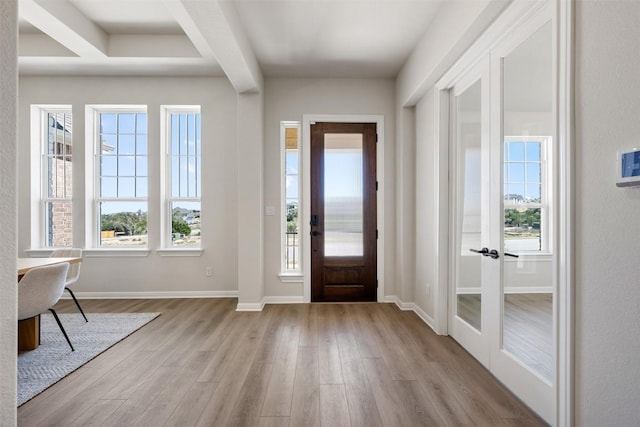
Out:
{"x": 516, "y": 172}
{"x": 292, "y": 187}
{"x": 126, "y": 123}
{"x": 522, "y": 230}
{"x": 533, "y": 151}
{"x": 123, "y": 224}
{"x": 141, "y": 123}
{"x": 126, "y": 187}
{"x": 108, "y": 166}
{"x": 141, "y": 144}
{"x": 185, "y": 164}
{"x": 109, "y": 144}
{"x": 141, "y": 166}
{"x": 533, "y": 171}
{"x": 141, "y": 187}
{"x": 516, "y": 193}
{"x": 532, "y": 192}
{"x": 185, "y": 224}
{"x": 59, "y": 224}
{"x": 108, "y": 123}
{"x": 127, "y": 166}
{"x": 109, "y": 187}
{"x": 292, "y": 162}
{"x": 127, "y": 144}
{"x": 516, "y": 151}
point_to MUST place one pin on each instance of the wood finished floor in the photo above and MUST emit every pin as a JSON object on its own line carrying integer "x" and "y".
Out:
{"x": 201, "y": 363}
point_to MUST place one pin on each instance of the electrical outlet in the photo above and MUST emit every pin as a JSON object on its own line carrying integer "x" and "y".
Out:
{"x": 208, "y": 271}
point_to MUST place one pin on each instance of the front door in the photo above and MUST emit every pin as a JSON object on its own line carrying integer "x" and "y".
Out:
{"x": 343, "y": 212}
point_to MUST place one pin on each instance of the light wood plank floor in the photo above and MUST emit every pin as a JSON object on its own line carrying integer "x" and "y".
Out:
{"x": 201, "y": 363}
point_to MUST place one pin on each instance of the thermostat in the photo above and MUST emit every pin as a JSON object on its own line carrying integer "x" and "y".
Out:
{"x": 628, "y": 168}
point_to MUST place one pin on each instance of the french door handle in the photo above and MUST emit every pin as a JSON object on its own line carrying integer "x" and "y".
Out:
{"x": 511, "y": 255}
{"x": 483, "y": 251}
{"x": 493, "y": 254}
{"x": 315, "y": 233}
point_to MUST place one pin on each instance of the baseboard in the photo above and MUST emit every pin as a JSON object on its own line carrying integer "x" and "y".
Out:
{"x": 283, "y": 300}
{"x": 251, "y": 306}
{"x": 411, "y": 306}
{"x": 511, "y": 290}
{"x": 154, "y": 295}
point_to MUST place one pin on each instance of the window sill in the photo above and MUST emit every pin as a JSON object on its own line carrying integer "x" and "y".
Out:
{"x": 119, "y": 252}
{"x": 39, "y": 253}
{"x": 291, "y": 277}
{"x": 180, "y": 252}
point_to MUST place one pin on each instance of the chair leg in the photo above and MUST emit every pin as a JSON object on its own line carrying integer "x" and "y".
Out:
{"x": 55, "y": 315}
{"x": 77, "y": 304}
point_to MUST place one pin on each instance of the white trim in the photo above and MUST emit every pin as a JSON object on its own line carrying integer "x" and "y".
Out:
{"x": 565, "y": 292}
{"x": 250, "y": 306}
{"x": 411, "y": 306}
{"x": 120, "y": 252}
{"x": 510, "y": 290}
{"x": 154, "y": 295}
{"x": 283, "y": 300}
{"x": 305, "y": 249}
{"x": 185, "y": 252}
{"x": 291, "y": 278}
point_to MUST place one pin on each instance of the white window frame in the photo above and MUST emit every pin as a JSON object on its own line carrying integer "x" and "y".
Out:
{"x": 290, "y": 275}
{"x": 92, "y": 166}
{"x": 546, "y": 189}
{"x": 39, "y": 199}
{"x": 167, "y": 249}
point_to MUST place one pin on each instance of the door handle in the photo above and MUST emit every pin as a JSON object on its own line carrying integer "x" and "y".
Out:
{"x": 511, "y": 255}
{"x": 483, "y": 251}
{"x": 493, "y": 254}
{"x": 315, "y": 233}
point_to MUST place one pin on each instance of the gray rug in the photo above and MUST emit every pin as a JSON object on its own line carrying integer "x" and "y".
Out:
{"x": 39, "y": 369}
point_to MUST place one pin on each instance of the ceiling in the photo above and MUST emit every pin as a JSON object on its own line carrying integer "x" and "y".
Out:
{"x": 242, "y": 39}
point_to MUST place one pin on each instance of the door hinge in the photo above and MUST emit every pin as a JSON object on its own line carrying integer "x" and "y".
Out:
{"x": 376, "y": 185}
{"x": 376, "y": 137}
{"x": 376, "y": 283}
{"x": 376, "y": 234}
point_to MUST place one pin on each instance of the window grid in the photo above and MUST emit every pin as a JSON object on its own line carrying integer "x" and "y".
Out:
{"x": 184, "y": 178}
{"x": 121, "y": 202}
{"x": 57, "y": 186}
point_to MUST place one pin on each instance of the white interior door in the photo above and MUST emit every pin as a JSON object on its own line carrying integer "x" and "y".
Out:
{"x": 503, "y": 139}
{"x": 472, "y": 274}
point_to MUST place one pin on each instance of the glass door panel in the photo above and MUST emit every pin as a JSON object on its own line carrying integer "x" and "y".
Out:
{"x": 343, "y": 195}
{"x": 469, "y": 201}
{"x": 527, "y": 183}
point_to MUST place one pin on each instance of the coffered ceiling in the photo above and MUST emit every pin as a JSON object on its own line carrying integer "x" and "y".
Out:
{"x": 242, "y": 39}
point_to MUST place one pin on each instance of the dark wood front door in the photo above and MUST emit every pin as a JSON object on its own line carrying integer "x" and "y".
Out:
{"x": 343, "y": 212}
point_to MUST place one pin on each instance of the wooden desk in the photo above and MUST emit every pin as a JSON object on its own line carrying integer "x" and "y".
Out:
{"x": 29, "y": 329}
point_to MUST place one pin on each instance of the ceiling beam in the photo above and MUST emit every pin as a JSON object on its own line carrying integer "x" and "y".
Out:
{"x": 214, "y": 29}
{"x": 64, "y": 23}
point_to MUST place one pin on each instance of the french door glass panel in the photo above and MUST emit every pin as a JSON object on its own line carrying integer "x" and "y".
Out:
{"x": 469, "y": 201}
{"x": 527, "y": 275}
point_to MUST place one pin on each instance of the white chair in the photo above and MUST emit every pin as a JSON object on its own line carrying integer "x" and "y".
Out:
{"x": 74, "y": 271}
{"x": 39, "y": 290}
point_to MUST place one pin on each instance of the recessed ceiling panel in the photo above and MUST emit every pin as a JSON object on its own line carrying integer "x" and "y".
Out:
{"x": 129, "y": 16}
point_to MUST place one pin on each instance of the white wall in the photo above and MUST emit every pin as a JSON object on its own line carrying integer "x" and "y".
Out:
{"x": 288, "y": 100}
{"x": 608, "y": 229}
{"x": 8, "y": 268}
{"x": 153, "y": 273}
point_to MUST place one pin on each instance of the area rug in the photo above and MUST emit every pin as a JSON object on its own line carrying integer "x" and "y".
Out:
{"x": 39, "y": 369}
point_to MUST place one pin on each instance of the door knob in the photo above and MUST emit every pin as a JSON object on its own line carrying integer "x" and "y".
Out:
{"x": 315, "y": 233}
{"x": 493, "y": 254}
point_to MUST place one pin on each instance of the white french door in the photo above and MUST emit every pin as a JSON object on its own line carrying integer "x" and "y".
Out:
{"x": 503, "y": 136}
